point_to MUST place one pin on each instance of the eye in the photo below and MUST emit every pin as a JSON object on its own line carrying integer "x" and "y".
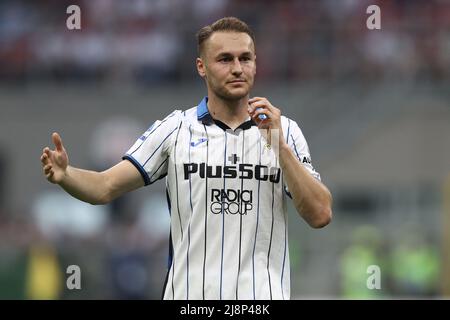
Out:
{"x": 225, "y": 59}
{"x": 245, "y": 59}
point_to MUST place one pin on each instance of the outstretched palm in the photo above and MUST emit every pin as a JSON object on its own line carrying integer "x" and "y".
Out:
{"x": 55, "y": 162}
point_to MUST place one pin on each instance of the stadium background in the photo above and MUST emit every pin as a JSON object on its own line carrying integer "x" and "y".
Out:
{"x": 373, "y": 105}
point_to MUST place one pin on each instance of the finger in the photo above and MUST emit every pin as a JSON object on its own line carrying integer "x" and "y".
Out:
{"x": 47, "y": 154}
{"x": 49, "y": 175}
{"x": 252, "y": 110}
{"x": 251, "y": 100}
{"x": 262, "y": 102}
{"x": 47, "y": 151}
{"x": 259, "y": 104}
{"x": 44, "y": 158}
{"x": 57, "y": 141}
{"x": 48, "y": 168}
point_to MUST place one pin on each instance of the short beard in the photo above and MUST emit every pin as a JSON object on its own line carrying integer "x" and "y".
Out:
{"x": 226, "y": 95}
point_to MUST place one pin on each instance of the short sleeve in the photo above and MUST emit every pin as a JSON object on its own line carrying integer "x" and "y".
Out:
{"x": 150, "y": 153}
{"x": 299, "y": 146}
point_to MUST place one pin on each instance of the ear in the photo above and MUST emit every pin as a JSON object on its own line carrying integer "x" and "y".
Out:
{"x": 200, "y": 67}
{"x": 254, "y": 73}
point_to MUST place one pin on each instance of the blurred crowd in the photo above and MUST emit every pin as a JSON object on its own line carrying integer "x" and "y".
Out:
{"x": 140, "y": 41}
{"x": 119, "y": 261}
{"x": 121, "y": 248}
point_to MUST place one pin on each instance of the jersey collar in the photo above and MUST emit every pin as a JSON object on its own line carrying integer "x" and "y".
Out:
{"x": 203, "y": 114}
{"x": 205, "y": 117}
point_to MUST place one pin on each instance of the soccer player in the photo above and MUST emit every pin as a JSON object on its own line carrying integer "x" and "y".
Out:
{"x": 228, "y": 172}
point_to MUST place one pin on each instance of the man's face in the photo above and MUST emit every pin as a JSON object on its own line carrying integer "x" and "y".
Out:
{"x": 228, "y": 64}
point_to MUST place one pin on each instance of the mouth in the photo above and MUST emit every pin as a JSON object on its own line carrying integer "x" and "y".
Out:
{"x": 237, "y": 81}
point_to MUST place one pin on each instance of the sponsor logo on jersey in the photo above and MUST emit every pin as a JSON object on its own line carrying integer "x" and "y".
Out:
{"x": 241, "y": 171}
{"x": 230, "y": 201}
{"x": 306, "y": 160}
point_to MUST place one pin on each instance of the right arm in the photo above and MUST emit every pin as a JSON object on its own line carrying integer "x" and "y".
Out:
{"x": 89, "y": 186}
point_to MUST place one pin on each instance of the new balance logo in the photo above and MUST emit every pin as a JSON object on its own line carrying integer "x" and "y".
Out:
{"x": 196, "y": 143}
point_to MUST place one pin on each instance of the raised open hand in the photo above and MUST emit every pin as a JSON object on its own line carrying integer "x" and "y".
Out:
{"x": 55, "y": 162}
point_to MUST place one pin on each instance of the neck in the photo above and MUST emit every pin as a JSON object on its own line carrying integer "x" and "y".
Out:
{"x": 230, "y": 112}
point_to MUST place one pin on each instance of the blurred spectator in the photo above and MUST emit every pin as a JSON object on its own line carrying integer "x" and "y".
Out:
{"x": 56, "y": 214}
{"x": 364, "y": 251}
{"x": 44, "y": 275}
{"x": 128, "y": 264}
{"x": 3, "y": 180}
{"x": 415, "y": 266}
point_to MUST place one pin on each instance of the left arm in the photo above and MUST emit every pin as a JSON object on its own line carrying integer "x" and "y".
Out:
{"x": 312, "y": 199}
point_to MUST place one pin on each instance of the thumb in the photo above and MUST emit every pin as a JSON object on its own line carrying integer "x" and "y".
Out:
{"x": 57, "y": 141}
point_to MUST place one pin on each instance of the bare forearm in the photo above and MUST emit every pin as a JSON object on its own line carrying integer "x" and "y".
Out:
{"x": 85, "y": 185}
{"x": 88, "y": 186}
{"x": 311, "y": 198}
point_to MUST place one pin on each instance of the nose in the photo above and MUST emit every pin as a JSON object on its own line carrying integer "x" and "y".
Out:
{"x": 236, "y": 68}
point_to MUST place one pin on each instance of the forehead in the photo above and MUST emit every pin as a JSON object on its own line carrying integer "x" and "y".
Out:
{"x": 231, "y": 42}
